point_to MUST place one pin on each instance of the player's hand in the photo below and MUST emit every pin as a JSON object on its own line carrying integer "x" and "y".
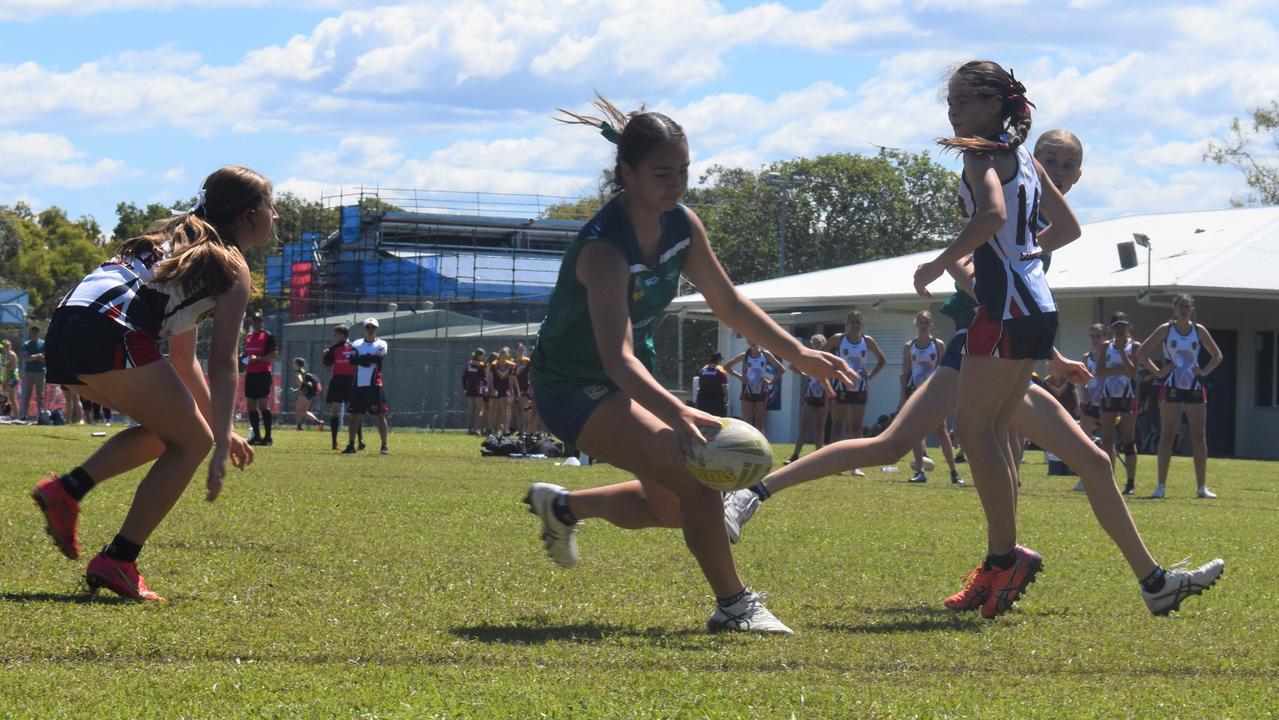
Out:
{"x": 1199, "y": 372}
{"x": 925, "y": 274}
{"x": 240, "y": 452}
{"x": 217, "y": 471}
{"x": 1071, "y": 370}
{"x": 687, "y": 427}
{"x": 825, "y": 367}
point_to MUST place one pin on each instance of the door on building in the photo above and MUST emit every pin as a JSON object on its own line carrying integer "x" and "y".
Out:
{"x": 1221, "y": 385}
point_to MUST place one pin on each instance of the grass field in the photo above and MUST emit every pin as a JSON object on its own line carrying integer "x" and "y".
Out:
{"x": 414, "y": 585}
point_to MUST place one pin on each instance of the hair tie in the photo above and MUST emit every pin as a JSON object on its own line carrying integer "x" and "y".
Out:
{"x": 1017, "y": 94}
{"x": 610, "y": 133}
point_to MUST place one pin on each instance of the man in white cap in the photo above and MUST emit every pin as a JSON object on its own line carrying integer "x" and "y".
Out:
{"x": 366, "y": 396}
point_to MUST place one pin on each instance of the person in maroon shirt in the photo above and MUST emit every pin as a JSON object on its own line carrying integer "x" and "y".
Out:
{"x": 337, "y": 358}
{"x": 502, "y": 390}
{"x": 524, "y": 410}
{"x": 475, "y": 387}
{"x": 712, "y": 387}
{"x": 259, "y": 354}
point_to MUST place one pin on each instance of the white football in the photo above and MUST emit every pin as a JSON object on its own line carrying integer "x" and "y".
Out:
{"x": 735, "y": 456}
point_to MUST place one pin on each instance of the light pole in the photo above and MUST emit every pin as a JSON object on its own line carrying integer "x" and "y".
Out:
{"x": 1144, "y": 240}
{"x": 784, "y": 185}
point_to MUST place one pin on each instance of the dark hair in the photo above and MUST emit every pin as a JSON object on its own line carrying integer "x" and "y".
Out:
{"x": 34, "y": 327}
{"x": 342, "y": 329}
{"x": 201, "y": 253}
{"x": 984, "y": 77}
{"x": 300, "y": 362}
{"x": 636, "y": 134}
{"x": 716, "y": 357}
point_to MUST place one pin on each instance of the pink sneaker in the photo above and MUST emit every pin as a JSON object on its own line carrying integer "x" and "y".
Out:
{"x": 61, "y": 515}
{"x": 121, "y": 578}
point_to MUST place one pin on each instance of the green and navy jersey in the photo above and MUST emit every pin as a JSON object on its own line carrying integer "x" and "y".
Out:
{"x": 566, "y": 356}
{"x": 961, "y": 307}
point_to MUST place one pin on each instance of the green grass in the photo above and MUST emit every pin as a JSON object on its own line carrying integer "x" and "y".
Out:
{"x": 414, "y": 585}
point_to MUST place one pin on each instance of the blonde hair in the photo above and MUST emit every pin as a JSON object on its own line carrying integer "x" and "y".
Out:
{"x": 198, "y": 249}
{"x": 1060, "y": 138}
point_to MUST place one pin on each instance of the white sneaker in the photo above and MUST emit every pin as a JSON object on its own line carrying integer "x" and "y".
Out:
{"x": 746, "y": 615}
{"x": 1079, "y": 486}
{"x": 927, "y": 465}
{"x": 1180, "y": 584}
{"x": 739, "y": 506}
{"x": 1158, "y": 493}
{"x": 1204, "y": 492}
{"x": 560, "y": 539}
{"x": 857, "y": 473}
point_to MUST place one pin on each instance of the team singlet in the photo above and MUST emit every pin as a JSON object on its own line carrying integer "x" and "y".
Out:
{"x": 755, "y": 370}
{"x": 1092, "y": 389}
{"x": 923, "y": 362}
{"x": 125, "y": 290}
{"x": 854, "y": 353}
{"x": 1008, "y": 267}
{"x": 1183, "y": 351}
{"x": 339, "y": 359}
{"x": 1117, "y": 386}
{"x": 369, "y": 375}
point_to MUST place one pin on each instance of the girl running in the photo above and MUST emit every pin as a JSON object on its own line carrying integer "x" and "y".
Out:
{"x": 919, "y": 361}
{"x": 104, "y": 339}
{"x": 1040, "y": 418}
{"x": 592, "y": 369}
{"x": 1182, "y": 389}
{"x": 1118, "y": 376}
{"x": 307, "y": 386}
{"x": 849, "y": 409}
{"x": 475, "y": 388}
{"x": 757, "y": 385}
{"x": 813, "y": 410}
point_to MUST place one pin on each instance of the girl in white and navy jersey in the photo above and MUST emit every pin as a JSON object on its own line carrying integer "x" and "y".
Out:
{"x": 849, "y": 409}
{"x": 1118, "y": 377}
{"x": 1003, "y": 193}
{"x": 104, "y": 341}
{"x": 760, "y": 370}
{"x": 920, "y": 359}
{"x": 813, "y": 411}
{"x": 1182, "y": 388}
{"x": 1090, "y": 392}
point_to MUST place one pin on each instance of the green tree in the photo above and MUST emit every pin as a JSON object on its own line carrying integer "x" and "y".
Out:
{"x": 580, "y": 209}
{"x": 46, "y": 254}
{"x": 1240, "y": 149}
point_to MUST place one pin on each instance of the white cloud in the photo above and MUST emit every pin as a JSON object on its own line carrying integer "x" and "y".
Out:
{"x": 51, "y": 161}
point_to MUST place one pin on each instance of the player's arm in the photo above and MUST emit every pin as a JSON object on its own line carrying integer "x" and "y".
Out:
{"x": 728, "y": 366}
{"x": 182, "y": 357}
{"x": 1214, "y": 352}
{"x": 269, "y": 352}
{"x": 987, "y": 218}
{"x": 228, "y": 311}
{"x": 779, "y": 369}
{"x": 1142, "y": 356}
{"x": 606, "y": 277}
{"x": 963, "y": 275}
{"x": 1063, "y": 227}
{"x": 1062, "y": 367}
{"x": 880, "y": 360}
{"x": 905, "y": 374}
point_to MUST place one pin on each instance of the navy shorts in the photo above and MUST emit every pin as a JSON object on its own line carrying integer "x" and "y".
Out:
{"x": 954, "y": 356}
{"x": 339, "y": 389}
{"x": 1120, "y": 405}
{"x": 83, "y": 341}
{"x": 1023, "y": 338}
{"x": 368, "y": 400}
{"x": 565, "y": 412}
{"x": 850, "y": 397}
{"x": 1192, "y": 396}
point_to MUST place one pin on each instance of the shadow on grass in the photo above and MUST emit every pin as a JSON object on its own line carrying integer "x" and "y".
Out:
{"x": 80, "y": 598}
{"x": 534, "y": 631}
{"x": 910, "y": 620}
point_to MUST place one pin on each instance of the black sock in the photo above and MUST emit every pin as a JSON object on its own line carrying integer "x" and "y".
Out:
{"x": 560, "y": 508}
{"x": 333, "y": 428}
{"x": 761, "y": 491}
{"x": 77, "y": 483}
{"x": 266, "y": 422}
{"x": 1154, "y": 582}
{"x": 253, "y": 422}
{"x": 725, "y": 602}
{"x": 122, "y": 549}
{"x": 1002, "y": 562}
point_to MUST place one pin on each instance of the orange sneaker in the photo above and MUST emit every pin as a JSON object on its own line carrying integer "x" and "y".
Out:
{"x": 976, "y": 590}
{"x": 121, "y": 578}
{"x": 1007, "y": 586}
{"x": 61, "y": 515}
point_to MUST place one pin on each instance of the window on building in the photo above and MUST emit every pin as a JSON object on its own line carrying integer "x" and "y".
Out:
{"x": 1267, "y": 370}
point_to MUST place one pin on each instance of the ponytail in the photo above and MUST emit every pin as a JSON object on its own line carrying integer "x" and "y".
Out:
{"x": 636, "y": 134}
{"x": 983, "y": 77}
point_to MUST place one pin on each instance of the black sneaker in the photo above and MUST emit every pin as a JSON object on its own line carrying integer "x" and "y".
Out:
{"x": 792, "y": 459}
{"x": 918, "y": 477}
{"x": 955, "y": 479}
{"x": 350, "y": 450}
{"x": 361, "y": 444}
{"x": 267, "y": 441}
{"x": 384, "y": 451}
{"x": 253, "y": 441}
{"x": 1129, "y": 489}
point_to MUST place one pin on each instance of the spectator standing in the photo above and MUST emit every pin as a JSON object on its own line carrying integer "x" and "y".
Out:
{"x": 11, "y": 376}
{"x": 32, "y": 372}
{"x": 367, "y": 397}
{"x": 259, "y": 354}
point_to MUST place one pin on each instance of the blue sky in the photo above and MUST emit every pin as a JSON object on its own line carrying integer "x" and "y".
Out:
{"x": 110, "y": 100}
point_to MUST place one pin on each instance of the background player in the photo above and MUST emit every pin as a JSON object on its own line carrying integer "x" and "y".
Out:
{"x": 1182, "y": 389}
{"x": 475, "y": 389}
{"x": 1118, "y": 376}
{"x": 814, "y": 409}
{"x": 757, "y": 384}
{"x": 33, "y": 367}
{"x": 920, "y": 357}
{"x": 337, "y": 358}
{"x": 367, "y": 397}
{"x": 849, "y": 409}
{"x": 712, "y": 387}
{"x": 306, "y": 385}
{"x": 259, "y": 354}
{"x": 501, "y": 380}
{"x": 522, "y": 403}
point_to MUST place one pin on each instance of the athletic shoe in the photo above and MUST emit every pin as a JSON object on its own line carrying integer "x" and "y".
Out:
{"x": 267, "y": 441}
{"x": 1205, "y": 493}
{"x": 384, "y": 451}
{"x": 560, "y": 539}
{"x": 361, "y": 446}
{"x": 1079, "y": 486}
{"x": 790, "y": 460}
{"x": 739, "y": 506}
{"x": 350, "y": 450}
{"x": 927, "y": 465}
{"x": 121, "y": 578}
{"x": 1159, "y": 492}
{"x": 253, "y": 440}
{"x": 857, "y": 473}
{"x": 61, "y": 515}
{"x": 955, "y": 479}
{"x": 976, "y": 590}
{"x": 918, "y": 477}
{"x": 1180, "y": 584}
{"x": 746, "y": 615}
{"x": 1007, "y": 586}
{"x": 1129, "y": 489}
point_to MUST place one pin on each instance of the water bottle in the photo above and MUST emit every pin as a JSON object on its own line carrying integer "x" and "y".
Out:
{"x": 889, "y": 469}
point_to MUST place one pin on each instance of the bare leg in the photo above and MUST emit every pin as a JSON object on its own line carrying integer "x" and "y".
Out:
{"x": 1108, "y": 421}
{"x": 632, "y": 505}
{"x": 1042, "y": 419}
{"x": 947, "y": 451}
{"x": 819, "y": 432}
{"x": 1197, "y": 416}
{"x": 806, "y": 423}
{"x": 1169, "y": 417}
{"x": 1128, "y": 434}
{"x": 383, "y": 427}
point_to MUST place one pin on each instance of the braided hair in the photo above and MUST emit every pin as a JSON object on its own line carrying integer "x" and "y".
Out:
{"x": 984, "y": 77}
{"x": 636, "y": 134}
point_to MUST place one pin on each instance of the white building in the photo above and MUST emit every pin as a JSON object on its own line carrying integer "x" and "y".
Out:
{"x": 1227, "y": 259}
